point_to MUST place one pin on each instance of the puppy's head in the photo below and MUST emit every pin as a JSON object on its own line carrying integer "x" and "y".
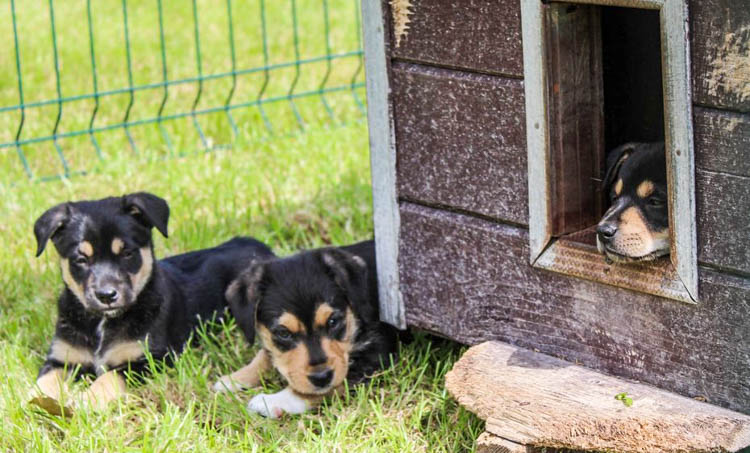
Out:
{"x": 307, "y": 310}
{"x": 105, "y": 247}
{"x": 636, "y": 225}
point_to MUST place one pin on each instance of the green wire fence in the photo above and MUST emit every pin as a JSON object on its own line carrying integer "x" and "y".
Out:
{"x": 88, "y": 80}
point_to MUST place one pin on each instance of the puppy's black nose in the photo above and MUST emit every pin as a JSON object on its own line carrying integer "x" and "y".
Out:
{"x": 106, "y": 295}
{"x": 321, "y": 378}
{"x": 606, "y": 230}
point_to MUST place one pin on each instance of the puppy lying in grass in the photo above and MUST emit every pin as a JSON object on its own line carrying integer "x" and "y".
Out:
{"x": 118, "y": 299}
{"x": 316, "y": 314}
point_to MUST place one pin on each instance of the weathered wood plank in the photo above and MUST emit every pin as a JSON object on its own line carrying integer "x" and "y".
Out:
{"x": 575, "y": 117}
{"x": 723, "y": 204}
{"x": 720, "y": 31}
{"x": 383, "y": 163}
{"x": 461, "y": 141}
{"x": 478, "y": 35}
{"x": 469, "y": 280}
{"x": 489, "y": 443}
{"x": 722, "y": 141}
{"x": 534, "y": 399}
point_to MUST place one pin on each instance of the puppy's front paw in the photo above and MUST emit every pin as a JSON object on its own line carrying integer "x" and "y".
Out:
{"x": 108, "y": 387}
{"x": 276, "y": 404}
{"x": 227, "y": 384}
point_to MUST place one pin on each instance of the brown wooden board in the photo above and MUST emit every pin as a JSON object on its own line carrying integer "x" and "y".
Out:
{"x": 534, "y": 399}
{"x": 469, "y": 279}
{"x": 460, "y": 140}
{"x": 575, "y": 116}
{"x": 723, "y": 208}
{"x": 478, "y": 35}
{"x": 720, "y": 31}
{"x": 722, "y": 141}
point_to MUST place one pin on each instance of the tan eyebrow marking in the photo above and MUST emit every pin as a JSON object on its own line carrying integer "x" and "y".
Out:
{"x": 322, "y": 313}
{"x": 86, "y": 248}
{"x": 645, "y": 189}
{"x": 618, "y": 187}
{"x": 117, "y": 246}
{"x": 291, "y": 322}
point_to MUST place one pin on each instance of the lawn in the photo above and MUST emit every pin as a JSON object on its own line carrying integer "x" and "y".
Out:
{"x": 292, "y": 189}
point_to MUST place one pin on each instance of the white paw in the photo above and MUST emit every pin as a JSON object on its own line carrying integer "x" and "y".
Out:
{"x": 276, "y": 404}
{"x": 227, "y": 384}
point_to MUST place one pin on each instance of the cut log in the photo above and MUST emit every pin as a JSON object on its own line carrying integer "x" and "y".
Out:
{"x": 537, "y": 400}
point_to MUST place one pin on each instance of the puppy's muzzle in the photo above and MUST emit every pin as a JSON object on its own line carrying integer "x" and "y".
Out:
{"x": 107, "y": 295}
{"x": 321, "y": 379}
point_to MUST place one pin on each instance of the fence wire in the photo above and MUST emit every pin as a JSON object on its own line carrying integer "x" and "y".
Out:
{"x": 172, "y": 77}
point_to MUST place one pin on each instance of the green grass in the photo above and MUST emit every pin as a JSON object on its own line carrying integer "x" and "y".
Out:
{"x": 77, "y": 78}
{"x": 291, "y": 189}
{"x": 303, "y": 191}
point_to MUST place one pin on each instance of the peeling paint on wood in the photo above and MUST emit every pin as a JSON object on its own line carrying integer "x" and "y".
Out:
{"x": 730, "y": 71}
{"x": 721, "y": 53}
{"x": 400, "y": 10}
{"x": 477, "y": 35}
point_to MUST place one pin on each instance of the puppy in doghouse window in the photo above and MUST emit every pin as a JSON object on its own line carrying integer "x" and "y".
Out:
{"x": 316, "y": 314}
{"x": 636, "y": 225}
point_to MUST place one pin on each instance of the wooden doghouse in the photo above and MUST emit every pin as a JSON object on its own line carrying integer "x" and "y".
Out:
{"x": 489, "y": 123}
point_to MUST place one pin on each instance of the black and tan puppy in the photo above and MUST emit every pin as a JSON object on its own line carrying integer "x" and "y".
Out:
{"x": 118, "y": 299}
{"x": 316, "y": 314}
{"x": 636, "y": 225}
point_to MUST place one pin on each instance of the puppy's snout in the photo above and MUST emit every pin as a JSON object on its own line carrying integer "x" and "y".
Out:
{"x": 321, "y": 379}
{"x": 606, "y": 231}
{"x": 107, "y": 295}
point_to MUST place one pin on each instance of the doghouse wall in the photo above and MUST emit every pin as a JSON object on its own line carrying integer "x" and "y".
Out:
{"x": 457, "y": 99}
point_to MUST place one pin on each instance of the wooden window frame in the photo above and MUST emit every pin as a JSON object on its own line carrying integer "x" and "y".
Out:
{"x": 676, "y": 279}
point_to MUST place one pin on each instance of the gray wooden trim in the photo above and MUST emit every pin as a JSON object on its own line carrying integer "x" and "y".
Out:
{"x": 678, "y": 129}
{"x": 383, "y": 164}
{"x": 537, "y": 136}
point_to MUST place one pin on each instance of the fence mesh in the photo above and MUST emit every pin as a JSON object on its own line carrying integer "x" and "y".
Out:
{"x": 88, "y": 80}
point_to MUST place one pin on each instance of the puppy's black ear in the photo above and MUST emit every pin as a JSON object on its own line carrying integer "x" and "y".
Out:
{"x": 50, "y": 223}
{"x": 148, "y": 209}
{"x": 615, "y": 159}
{"x": 243, "y": 295}
{"x": 350, "y": 274}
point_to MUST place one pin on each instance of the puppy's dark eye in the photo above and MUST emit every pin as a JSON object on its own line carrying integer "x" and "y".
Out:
{"x": 333, "y": 322}
{"x": 282, "y": 333}
{"x": 127, "y": 254}
{"x": 655, "y": 202}
{"x": 81, "y": 261}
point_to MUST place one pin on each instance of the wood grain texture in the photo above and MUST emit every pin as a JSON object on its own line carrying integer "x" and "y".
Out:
{"x": 469, "y": 279}
{"x": 489, "y": 443}
{"x": 722, "y": 141}
{"x": 720, "y": 31}
{"x": 723, "y": 204}
{"x": 534, "y": 399}
{"x": 477, "y": 35}
{"x": 461, "y": 141}
{"x": 537, "y": 139}
{"x": 576, "y": 116}
{"x": 383, "y": 162}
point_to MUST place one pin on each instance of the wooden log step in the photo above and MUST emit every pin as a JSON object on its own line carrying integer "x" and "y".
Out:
{"x": 532, "y": 399}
